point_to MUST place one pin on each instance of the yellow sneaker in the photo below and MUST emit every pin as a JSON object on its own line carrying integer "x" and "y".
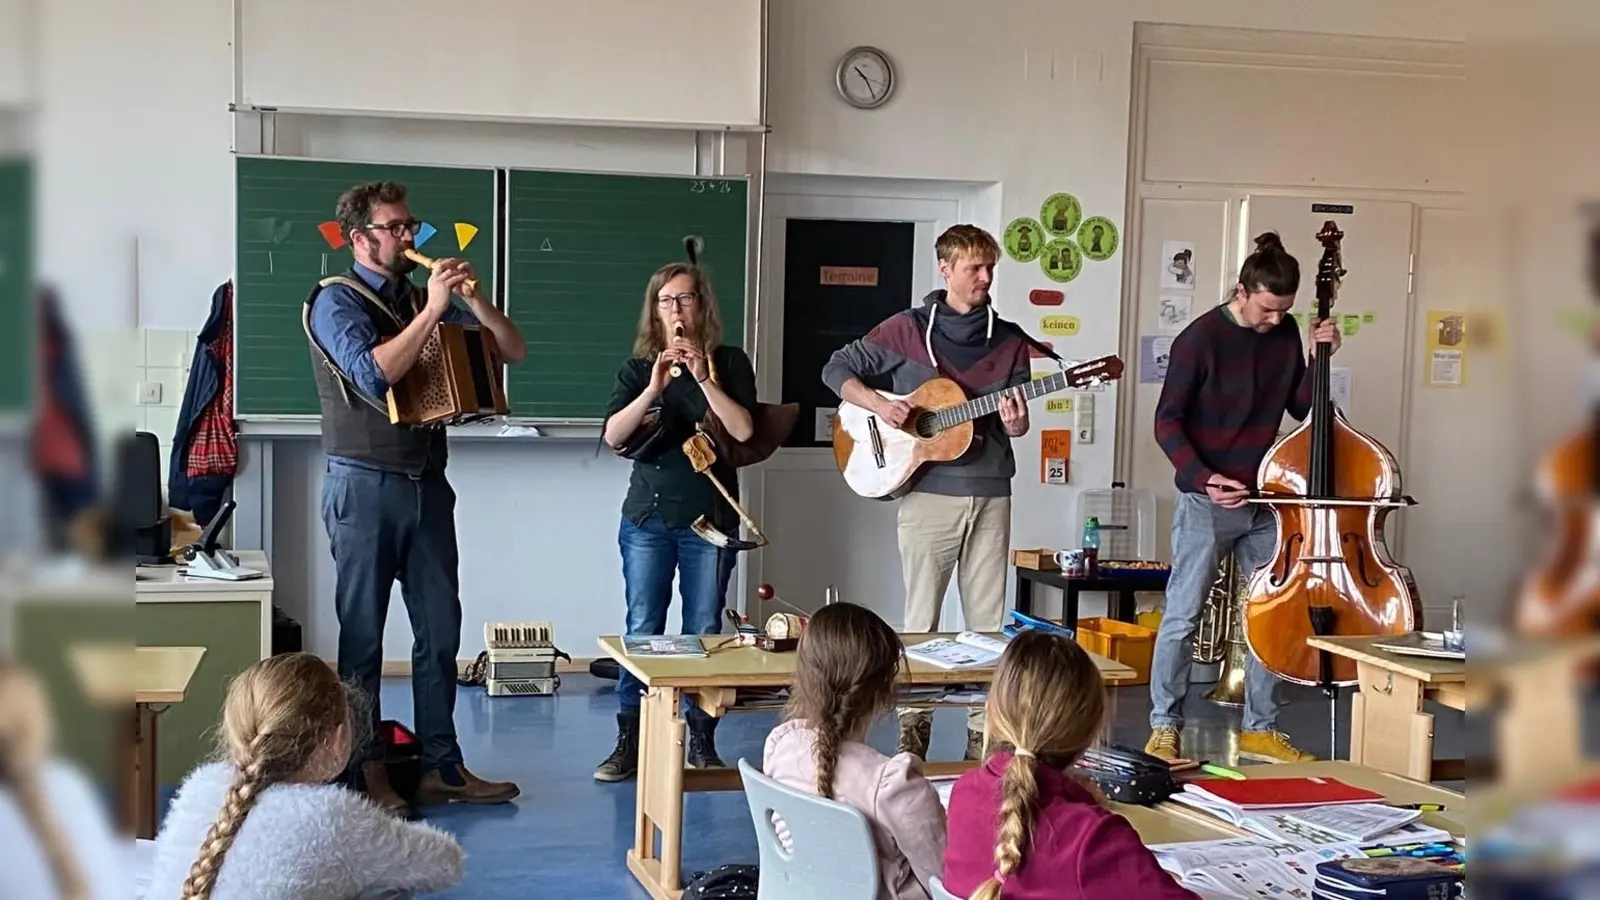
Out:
{"x": 1164, "y": 743}
{"x": 1271, "y": 746}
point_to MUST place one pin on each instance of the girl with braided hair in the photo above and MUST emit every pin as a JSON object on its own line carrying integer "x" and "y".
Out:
{"x": 844, "y": 680}
{"x": 39, "y": 799}
{"x": 266, "y": 824}
{"x": 1022, "y": 827}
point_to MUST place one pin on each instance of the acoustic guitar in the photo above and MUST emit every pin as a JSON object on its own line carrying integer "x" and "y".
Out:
{"x": 878, "y": 460}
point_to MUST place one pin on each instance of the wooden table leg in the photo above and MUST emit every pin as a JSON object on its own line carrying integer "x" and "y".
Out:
{"x": 1388, "y": 729}
{"x": 145, "y": 781}
{"x": 1539, "y": 726}
{"x": 660, "y": 803}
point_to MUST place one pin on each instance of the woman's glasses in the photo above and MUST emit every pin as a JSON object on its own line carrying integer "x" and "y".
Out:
{"x": 667, "y": 301}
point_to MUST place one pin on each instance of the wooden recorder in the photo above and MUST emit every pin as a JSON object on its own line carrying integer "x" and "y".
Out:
{"x": 428, "y": 262}
{"x": 677, "y": 332}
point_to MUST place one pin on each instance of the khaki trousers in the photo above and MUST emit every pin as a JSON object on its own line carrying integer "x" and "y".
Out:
{"x": 966, "y": 536}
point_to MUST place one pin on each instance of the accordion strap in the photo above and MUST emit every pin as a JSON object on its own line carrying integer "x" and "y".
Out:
{"x": 346, "y": 384}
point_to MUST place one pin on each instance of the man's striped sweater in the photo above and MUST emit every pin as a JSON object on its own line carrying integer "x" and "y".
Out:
{"x": 1226, "y": 391}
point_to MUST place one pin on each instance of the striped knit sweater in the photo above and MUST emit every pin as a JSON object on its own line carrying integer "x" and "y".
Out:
{"x": 1226, "y": 391}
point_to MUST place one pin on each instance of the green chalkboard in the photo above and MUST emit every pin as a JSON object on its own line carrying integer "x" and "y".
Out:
{"x": 282, "y": 252}
{"x": 17, "y": 340}
{"x": 581, "y": 248}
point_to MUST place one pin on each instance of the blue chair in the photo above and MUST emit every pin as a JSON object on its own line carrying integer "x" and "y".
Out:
{"x": 938, "y": 892}
{"x": 831, "y": 854}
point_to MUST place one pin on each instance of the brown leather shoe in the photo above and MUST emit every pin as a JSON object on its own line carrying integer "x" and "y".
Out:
{"x": 435, "y": 790}
{"x": 379, "y": 790}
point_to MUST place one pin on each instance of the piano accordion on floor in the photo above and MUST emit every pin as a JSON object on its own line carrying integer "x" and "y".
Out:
{"x": 456, "y": 379}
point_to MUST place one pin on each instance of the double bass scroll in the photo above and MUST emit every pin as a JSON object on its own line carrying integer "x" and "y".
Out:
{"x": 1330, "y": 487}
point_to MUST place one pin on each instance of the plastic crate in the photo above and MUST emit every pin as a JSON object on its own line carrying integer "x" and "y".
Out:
{"x": 1132, "y": 645}
{"x": 1127, "y": 521}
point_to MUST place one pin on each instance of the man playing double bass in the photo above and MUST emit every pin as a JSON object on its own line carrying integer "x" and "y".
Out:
{"x": 1232, "y": 374}
{"x": 387, "y": 506}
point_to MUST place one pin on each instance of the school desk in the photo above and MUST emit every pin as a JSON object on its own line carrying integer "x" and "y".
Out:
{"x": 153, "y": 678}
{"x": 712, "y": 683}
{"x": 1388, "y": 729}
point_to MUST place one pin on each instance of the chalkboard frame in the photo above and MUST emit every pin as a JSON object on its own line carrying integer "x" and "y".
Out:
{"x": 502, "y": 253}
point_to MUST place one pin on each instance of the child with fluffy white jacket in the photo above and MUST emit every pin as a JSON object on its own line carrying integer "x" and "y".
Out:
{"x": 266, "y": 824}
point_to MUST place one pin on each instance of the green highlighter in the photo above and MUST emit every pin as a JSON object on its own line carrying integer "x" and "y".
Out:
{"x": 1220, "y": 772}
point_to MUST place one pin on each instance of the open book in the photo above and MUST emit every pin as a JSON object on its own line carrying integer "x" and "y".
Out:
{"x": 967, "y": 650}
{"x": 1247, "y": 867}
{"x": 674, "y": 645}
{"x": 1305, "y": 826}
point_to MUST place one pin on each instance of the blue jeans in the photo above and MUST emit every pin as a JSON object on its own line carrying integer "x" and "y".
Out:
{"x": 383, "y": 527}
{"x": 1202, "y": 533}
{"x": 651, "y": 554}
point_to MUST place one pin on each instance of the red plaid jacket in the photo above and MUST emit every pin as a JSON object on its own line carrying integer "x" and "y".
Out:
{"x": 214, "y": 449}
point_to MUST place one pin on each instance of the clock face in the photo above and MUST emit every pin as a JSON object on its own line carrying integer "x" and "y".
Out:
{"x": 865, "y": 78}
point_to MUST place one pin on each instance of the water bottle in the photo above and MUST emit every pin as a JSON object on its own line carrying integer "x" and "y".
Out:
{"x": 1091, "y": 547}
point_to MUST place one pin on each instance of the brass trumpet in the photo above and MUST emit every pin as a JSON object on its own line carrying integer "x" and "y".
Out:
{"x": 429, "y": 262}
{"x": 677, "y": 332}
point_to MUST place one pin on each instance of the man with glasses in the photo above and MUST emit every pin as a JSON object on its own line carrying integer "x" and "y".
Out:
{"x": 1232, "y": 375}
{"x": 387, "y": 506}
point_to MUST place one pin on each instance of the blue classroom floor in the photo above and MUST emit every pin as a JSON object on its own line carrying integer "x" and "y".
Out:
{"x": 568, "y": 829}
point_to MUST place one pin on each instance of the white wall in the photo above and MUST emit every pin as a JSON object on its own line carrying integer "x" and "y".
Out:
{"x": 1033, "y": 94}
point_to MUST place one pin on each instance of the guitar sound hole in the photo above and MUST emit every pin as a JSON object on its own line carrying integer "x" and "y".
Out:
{"x": 924, "y": 425}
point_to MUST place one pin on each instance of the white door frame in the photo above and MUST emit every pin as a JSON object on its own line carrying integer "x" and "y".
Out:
{"x": 932, "y": 208}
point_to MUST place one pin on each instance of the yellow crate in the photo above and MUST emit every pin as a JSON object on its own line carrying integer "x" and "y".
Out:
{"x": 1129, "y": 644}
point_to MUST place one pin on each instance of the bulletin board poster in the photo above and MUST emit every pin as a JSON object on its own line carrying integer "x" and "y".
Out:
{"x": 1447, "y": 348}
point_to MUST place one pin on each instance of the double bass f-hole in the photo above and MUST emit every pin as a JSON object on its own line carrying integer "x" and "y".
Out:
{"x": 1330, "y": 487}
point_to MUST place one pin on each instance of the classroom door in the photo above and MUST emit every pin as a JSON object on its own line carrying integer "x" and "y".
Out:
{"x": 840, "y": 278}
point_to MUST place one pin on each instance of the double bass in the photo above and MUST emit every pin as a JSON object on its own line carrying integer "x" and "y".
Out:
{"x": 1560, "y": 596}
{"x": 1330, "y": 487}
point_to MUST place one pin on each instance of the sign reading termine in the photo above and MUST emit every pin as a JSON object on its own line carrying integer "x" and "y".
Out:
{"x": 850, "y": 276}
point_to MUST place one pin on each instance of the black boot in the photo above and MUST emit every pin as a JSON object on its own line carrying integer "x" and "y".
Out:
{"x": 623, "y": 763}
{"x": 702, "y": 741}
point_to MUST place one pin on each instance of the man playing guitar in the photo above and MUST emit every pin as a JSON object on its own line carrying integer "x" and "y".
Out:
{"x": 956, "y": 513}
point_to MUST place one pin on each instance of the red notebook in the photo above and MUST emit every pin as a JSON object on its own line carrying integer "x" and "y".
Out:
{"x": 1271, "y": 793}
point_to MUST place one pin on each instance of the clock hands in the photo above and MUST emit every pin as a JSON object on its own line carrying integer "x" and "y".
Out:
{"x": 872, "y": 90}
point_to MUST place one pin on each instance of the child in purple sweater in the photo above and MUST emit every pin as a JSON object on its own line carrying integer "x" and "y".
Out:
{"x": 1020, "y": 827}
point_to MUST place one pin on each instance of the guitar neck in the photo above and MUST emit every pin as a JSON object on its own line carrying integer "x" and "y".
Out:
{"x": 988, "y": 403}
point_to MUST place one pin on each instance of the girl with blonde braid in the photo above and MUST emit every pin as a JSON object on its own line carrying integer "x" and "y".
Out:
{"x": 56, "y": 837}
{"x": 1021, "y": 827}
{"x": 845, "y": 671}
{"x": 266, "y": 824}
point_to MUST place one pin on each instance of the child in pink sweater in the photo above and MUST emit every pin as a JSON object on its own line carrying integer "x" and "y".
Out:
{"x": 1021, "y": 828}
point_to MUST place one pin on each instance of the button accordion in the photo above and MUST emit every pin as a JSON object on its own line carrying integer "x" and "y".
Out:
{"x": 456, "y": 379}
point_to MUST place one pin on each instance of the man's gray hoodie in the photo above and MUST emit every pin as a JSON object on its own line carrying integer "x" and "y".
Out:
{"x": 978, "y": 350}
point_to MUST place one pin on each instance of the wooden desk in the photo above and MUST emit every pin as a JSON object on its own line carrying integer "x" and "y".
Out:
{"x": 713, "y": 682}
{"x": 231, "y": 619}
{"x": 151, "y": 677}
{"x": 1535, "y": 687}
{"x": 1388, "y": 729}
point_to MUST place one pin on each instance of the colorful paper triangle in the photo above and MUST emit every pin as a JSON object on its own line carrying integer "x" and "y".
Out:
{"x": 424, "y": 233}
{"x": 332, "y": 234}
{"x": 464, "y": 234}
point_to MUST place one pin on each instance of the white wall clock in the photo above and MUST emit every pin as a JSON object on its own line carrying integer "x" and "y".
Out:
{"x": 865, "y": 78}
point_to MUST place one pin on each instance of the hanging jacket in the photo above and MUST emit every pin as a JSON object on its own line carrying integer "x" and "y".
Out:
{"x": 63, "y": 447}
{"x": 201, "y": 495}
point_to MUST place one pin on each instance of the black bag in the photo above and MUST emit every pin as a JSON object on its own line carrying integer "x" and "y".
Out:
{"x": 1127, "y": 775}
{"x": 732, "y": 882}
{"x": 402, "y": 757}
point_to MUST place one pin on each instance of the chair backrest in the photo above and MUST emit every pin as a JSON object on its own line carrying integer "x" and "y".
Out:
{"x": 938, "y": 891}
{"x": 830, "y": 854}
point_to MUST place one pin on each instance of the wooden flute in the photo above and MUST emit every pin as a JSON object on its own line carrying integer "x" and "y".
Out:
{"x": 429, "y": 262}
{"x": 677, "y": 332}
